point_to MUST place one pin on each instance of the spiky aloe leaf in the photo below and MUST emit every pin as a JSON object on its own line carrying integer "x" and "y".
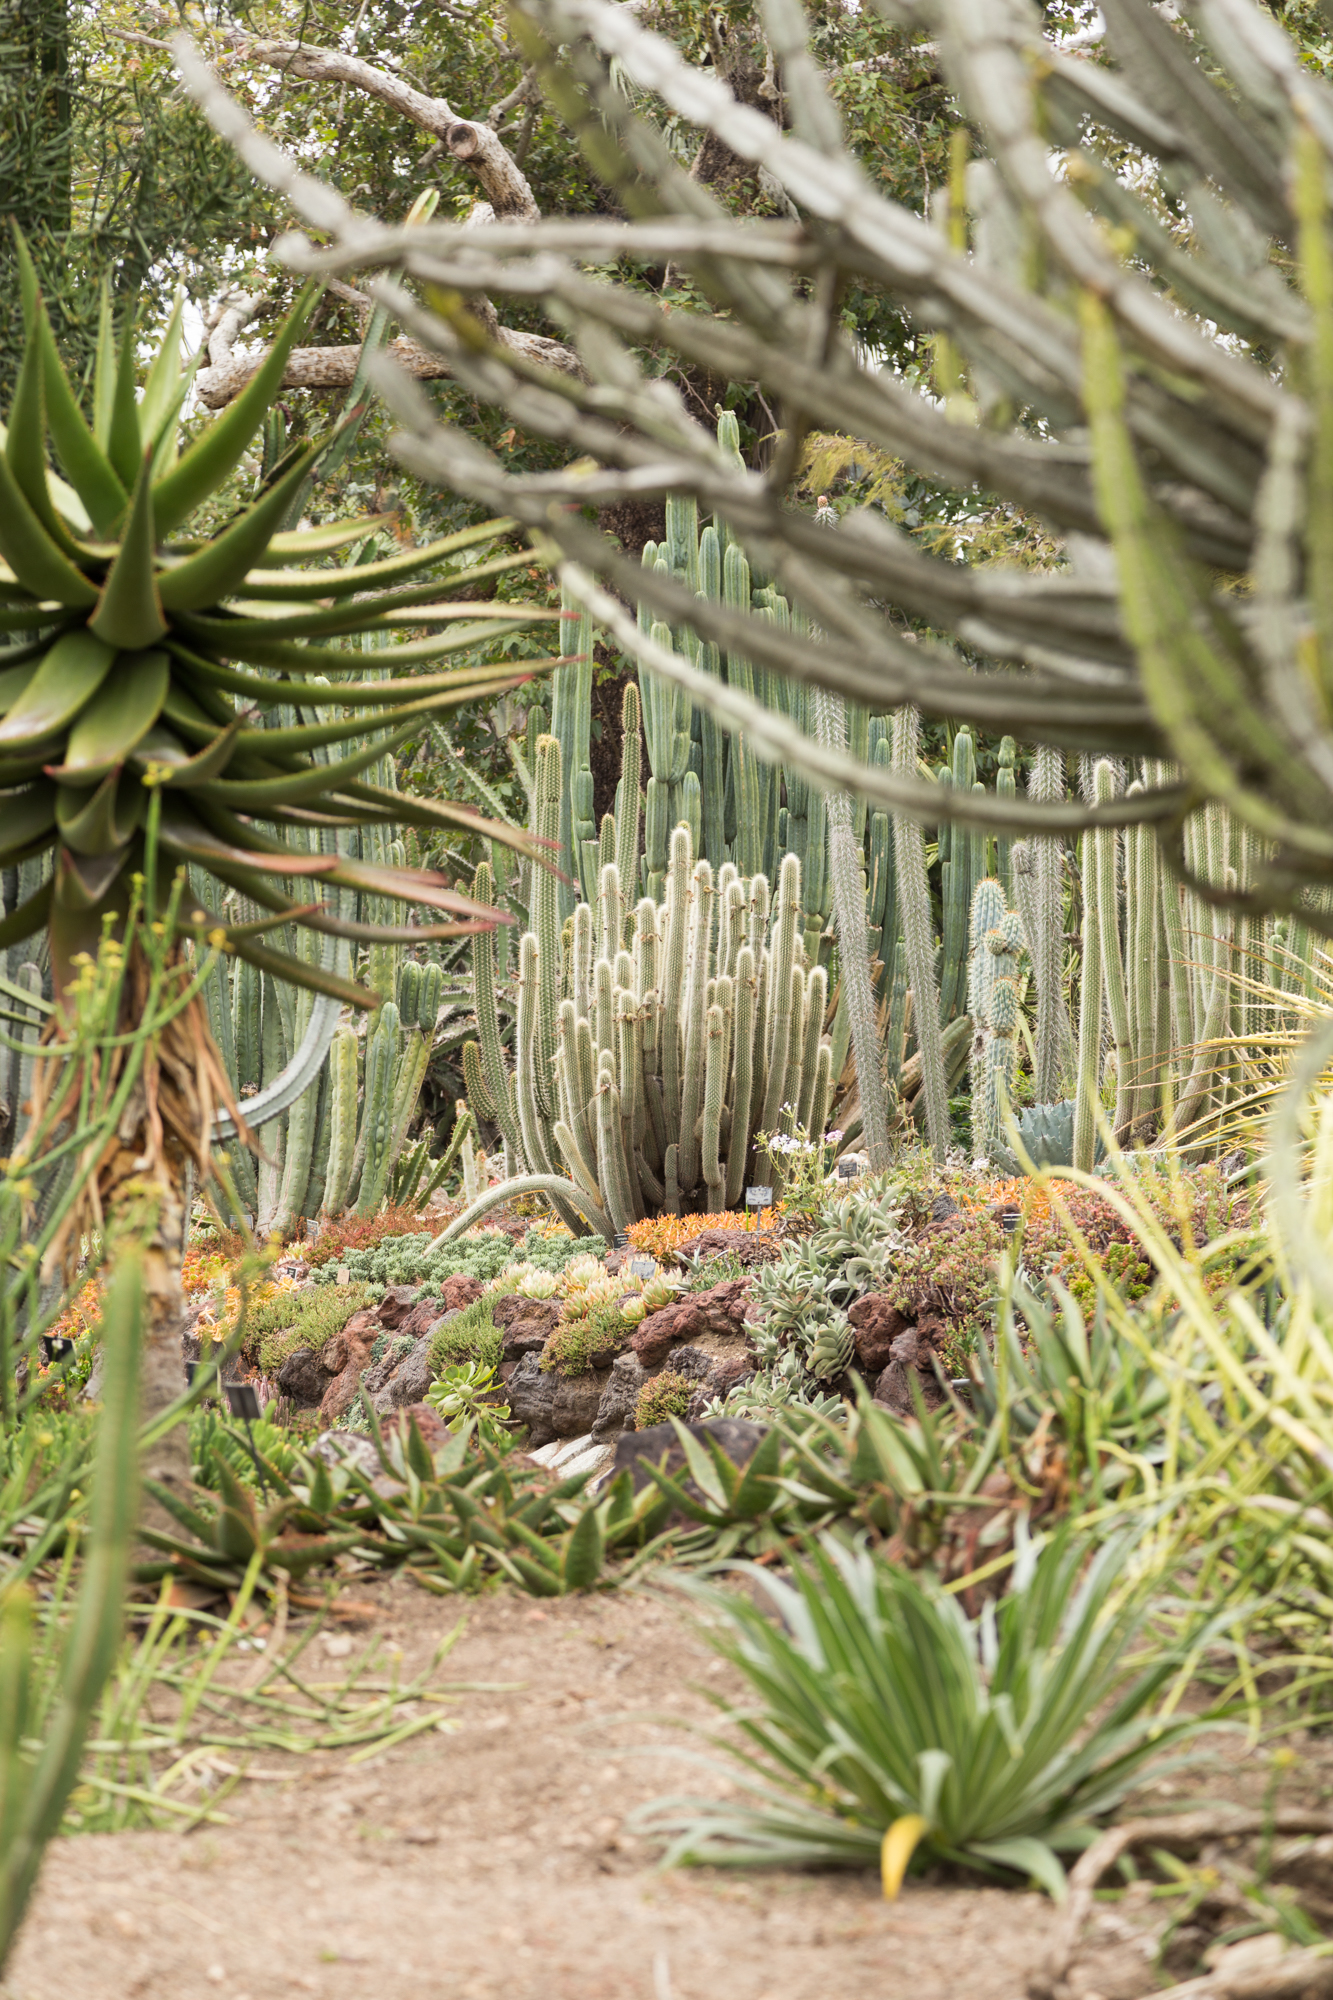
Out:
{"x": 129, "y": 611}
{"x": 124, "y": 445}
{"x": 217, "y": 569}
{"x": 38, "y": 562}
{"x": 26, "y": 817}
{"x": 216, "y": 453}
{"x": 117, "y": 718}
{"x": 100, "y": 823}
{"x": 68, "y": 678}
{"x": 95, "y": 713}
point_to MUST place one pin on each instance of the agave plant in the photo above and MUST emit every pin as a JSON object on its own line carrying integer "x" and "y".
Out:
{"x": 993, "y": 1742}
{"x": 144, "y": 658}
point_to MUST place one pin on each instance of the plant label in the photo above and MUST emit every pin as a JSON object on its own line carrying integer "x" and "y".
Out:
{"x": 759, "y": 1197}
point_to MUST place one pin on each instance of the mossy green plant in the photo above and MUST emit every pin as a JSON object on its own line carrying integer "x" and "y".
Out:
{"x": 470, "y": 1335}
{"x": 662, "y": 1397}
{"x": 587, "y": 1340}
{"x": 308, "y": 1318}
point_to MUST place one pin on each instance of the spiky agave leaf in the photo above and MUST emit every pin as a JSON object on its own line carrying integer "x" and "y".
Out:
{"x": 144, "y": 657}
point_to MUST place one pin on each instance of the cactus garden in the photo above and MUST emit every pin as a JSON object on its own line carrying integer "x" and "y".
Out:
{"x": 665, "y": 1069}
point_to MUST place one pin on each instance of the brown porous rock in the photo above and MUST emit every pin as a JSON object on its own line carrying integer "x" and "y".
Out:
{"x": 876, "y": 1324}
{"x": 718, "y": 1313}
{"x": 460, "y": 1291}
{"x": 525, "y": 1324}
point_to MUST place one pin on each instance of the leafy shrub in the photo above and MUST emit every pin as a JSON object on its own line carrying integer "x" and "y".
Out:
{"x": 662, "y": 1396}
{"x": 993, "y": 1743}
{"x": 470, "y": 1335}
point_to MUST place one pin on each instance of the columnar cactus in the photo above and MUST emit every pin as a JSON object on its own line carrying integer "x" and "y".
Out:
{"x": 672, "y": 1049}
{"x": 919, "y": 940}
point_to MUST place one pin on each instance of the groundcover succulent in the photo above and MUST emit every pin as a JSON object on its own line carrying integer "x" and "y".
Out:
{"x": 144, "y": 659}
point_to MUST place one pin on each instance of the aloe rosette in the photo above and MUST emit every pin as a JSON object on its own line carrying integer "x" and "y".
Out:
{"x": 141, "y": 658}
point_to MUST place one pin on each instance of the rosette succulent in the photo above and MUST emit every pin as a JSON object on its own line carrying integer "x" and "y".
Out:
{"x": 143, "y": 659}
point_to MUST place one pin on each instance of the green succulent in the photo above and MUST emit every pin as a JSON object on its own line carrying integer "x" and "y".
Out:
{"x": 142, "y": 658}
{"x": 1047, "y": 1133}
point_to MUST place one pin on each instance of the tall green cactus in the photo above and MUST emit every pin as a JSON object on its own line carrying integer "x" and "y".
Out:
{"x": 993, "y": 1002}
{"x": 919, "y": 941}
{"x": 666, "y": 1063}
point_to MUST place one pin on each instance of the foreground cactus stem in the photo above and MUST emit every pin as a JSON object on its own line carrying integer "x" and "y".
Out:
{"x": 144, "y": 653}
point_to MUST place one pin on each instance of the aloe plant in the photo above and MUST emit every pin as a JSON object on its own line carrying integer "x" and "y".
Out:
{"x": 147, "y": 658}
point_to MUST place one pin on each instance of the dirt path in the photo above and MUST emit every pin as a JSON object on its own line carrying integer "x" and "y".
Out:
{"x": 493, "y": 1861}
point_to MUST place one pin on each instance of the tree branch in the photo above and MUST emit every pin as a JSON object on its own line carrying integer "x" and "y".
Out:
{"x": 476, "y": 145}
{"x": 473, "y": 144}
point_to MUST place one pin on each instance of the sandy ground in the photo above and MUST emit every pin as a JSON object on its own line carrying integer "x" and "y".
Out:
{"x": 495, "y": 1861}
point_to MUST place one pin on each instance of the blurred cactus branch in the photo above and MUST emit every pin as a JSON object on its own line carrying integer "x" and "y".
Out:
{"x": 1161, "y": 397}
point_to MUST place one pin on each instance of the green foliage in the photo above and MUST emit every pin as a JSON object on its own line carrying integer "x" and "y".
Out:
{"x": 276, "y": 1327}
{"x": 872, "y": 1696}
{"x": 664, "y": 1395}
{"x": 127, "y": 687}
{"x": 470, "y": 1338}
{"x": 49, "y": 1698}
{"x": 468, "y": 1390}
{"x": 409, "y": 1260}
{"x": 587, "y": 1337}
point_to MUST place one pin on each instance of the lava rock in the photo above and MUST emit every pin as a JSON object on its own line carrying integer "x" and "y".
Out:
{"x": 532, "y": 1400}
{"x": 692, "y": 1362}
{"x": 876, "y": 1324}
{"x": 726, "y": 1372}
{"x": 346, "y": 1356}
{"x": 911, "y": 1356}
{"x": 525, "y": 1324}
{"x": 422, "y": 1318}
{"x": 577, "y": 1402}
{"x": 460, "y": 1291}
{"x": 409, "y": 1382}
{"x": 304, "y": 1378}
{"x": 395, "y": 1306}
{"x": 660, "y": 1446}
{"x": 720, "y": 1311}
{"x": 620, "y": 1397}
